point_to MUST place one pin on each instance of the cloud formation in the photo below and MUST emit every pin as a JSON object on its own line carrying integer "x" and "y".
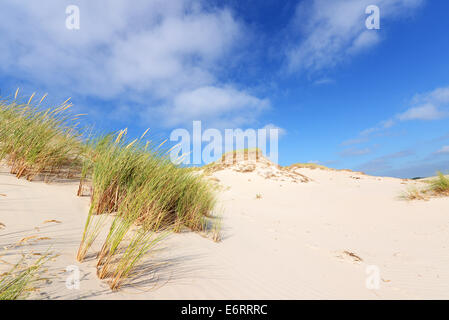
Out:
{"x": 380, "y": 164}
{"x": 331, "y": 31}
{"x": 270, "y": 126}
{"x": 433, "y": 105}
{"x": 443, "y": 150}
{"x": 151, "y": 55}
{"x": 353, "y": 152}
{"x": 225, "y": 107}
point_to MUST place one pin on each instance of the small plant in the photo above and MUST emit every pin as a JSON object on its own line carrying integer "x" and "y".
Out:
{"x": 258, "y": 196}
{"x": 136, "y": 181}
{"x": 112, "y": 245}
{"x": 437, "y": 187}
{"x": 19, "y": 281}
{"x": 412, "y": 193}
{"x": 141, "y": 244}
{"x": 39, "y": 141}
{"x": 216, "y": 229}
{"x": 91, "y": 231}
{"x": 440, "y": 185}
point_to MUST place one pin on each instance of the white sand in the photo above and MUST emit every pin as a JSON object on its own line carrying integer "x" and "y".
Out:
{"x": 289, "y": 244}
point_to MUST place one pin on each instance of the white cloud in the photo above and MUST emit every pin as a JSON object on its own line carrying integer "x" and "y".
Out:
{"x": 443, "y": 150}
{"x": 225, "y": 107}
{"x": 270, "y": 126}
{"x": 333, "y": 30}
{"x": 432, "y": 105}
{"x": 352, "y": 152}
{"x": 428, "y": 106}
{"x": 353, "y": 141}
{"x": 324, "y": 81}
{"x": 439, "y": 95}
{"x": 148, "y": 52}
{"x": 364, "y": 40}
{"x": 379, "y": 127}
{"x": 424, "y": 112}
{"x": 384, "y": 162}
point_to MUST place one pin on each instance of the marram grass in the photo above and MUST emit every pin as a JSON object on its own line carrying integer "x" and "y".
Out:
{"x": 440, "y": 185}
{"x": 38, "y": 141}
{"x": 20, "y": 280}
{"x": 437, "y": 187}
{"x": 137, "y": 182}
{"x": 132, "y": 179}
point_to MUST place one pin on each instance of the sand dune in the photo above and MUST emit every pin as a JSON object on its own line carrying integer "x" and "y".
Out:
{"x": 298, "y": 234}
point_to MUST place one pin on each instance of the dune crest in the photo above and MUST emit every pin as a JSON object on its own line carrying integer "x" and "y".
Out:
{"x": 245, "y": 161}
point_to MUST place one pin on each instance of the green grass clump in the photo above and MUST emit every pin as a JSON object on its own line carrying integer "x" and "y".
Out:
{"x": 18, "y": 282}
{"x": 38, "y": 141}
{"x": 122, "y": 263}
{"x": 138, "y": 182}
{"x": 440, "y": 185}
{"x": 217, "y": 229}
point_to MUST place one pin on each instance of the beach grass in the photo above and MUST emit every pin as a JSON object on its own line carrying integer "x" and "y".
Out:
{"x": 140, "y": 244}
{"x": 437, "y": 187}
{"x": 217, "y": 226}
{"x": 138, "y": 183}
{"x": 39, "y": 141}
{"x": 413, "y": 193}
{"x": 19, "y": 281}
{"x": 132, "y": 179}
{"x": 440, "y": 185}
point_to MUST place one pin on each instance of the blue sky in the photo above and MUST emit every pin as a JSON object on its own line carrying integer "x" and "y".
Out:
{"x": 344, "y": 96}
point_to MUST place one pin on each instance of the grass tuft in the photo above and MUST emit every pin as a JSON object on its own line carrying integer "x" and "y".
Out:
{"x": 38, "y": 141}
{"x": 440, "y": 185}
{"x": 20, "y": 280}
{"x": 413, "y": 193}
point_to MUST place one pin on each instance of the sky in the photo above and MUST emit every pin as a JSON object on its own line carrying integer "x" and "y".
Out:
{"x": 342, "y": 95}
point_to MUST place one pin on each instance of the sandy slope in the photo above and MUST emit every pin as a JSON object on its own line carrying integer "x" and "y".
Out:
{"x": 289, "y": 244}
